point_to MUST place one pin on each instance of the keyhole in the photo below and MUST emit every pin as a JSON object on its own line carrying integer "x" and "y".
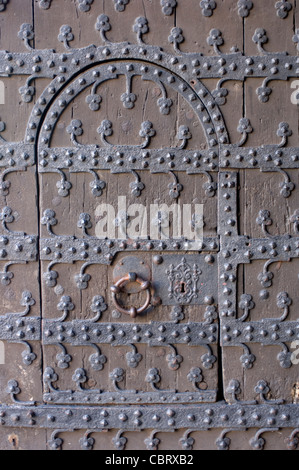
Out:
{"x": 183, "y": 288}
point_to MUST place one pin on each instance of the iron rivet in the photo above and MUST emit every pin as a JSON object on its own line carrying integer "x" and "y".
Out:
{"x": 158, "y": 259}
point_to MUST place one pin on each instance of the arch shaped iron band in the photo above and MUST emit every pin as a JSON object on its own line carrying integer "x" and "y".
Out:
{"x": 81, "y": 60}
{"x": 60, "y": 83}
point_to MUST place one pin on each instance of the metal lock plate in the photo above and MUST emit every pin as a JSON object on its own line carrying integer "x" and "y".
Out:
{"x": 185, "y": 280}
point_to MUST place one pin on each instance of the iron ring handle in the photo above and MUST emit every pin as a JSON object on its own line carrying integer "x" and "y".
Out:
{"x": 144, "y": 285}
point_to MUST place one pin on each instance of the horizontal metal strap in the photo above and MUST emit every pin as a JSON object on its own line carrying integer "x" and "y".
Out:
{"x": 129, "y": 397}
{"x": 234, "y": 65}
{"x": 267, "y": 332}
{"x": 124, "y": 159}
{"x": 15, "y": 328}
{"x": 14, "y": 247}
{"x": 265, "y": 157}
{"x": 166, "y": 417}
{"x": 65, "y": 249}
{"x": 82, "y": 332}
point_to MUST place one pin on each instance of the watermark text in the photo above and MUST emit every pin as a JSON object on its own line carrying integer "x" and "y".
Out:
{"x": 295, "y": 94}
{"x": 155, "y": 222}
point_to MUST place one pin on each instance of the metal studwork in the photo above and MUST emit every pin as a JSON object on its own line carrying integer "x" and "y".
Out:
{"x": 69, "y": 249}
{"x": 233, "y": 66}
{"x": 117, "y": 334}
{"x": 18, "y": 248}
{"x": 238, "y": 331}
{"x": 128, "y": 397}
{"x": 75, "y": 71}
{"x": 120, "y": 159}
{"x": 18, "y": 328}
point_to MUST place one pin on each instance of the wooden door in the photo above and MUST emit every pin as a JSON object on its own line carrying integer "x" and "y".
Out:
{"x": 149, "y": 225}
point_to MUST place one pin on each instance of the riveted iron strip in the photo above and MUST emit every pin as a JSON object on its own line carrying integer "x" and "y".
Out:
{"x": 126, "y": 158}
{"x": 267, "y": 332}
{"x": 110, "y": 72}
{"x": 16, "y": 156}
{"x": 228, "y": 231}
{"x": 14, "y": 328}
{"x": 18, "y": 248}
{"x": 278, "y": 248}
{"x": 235, "y": 249}
{"x": 197, "y": 417}
{"x": 198, "y": 93}
{"x": 66, "y": 249}
{"x": 94, "y": 397}
{"x": 265, "y": 157}
{"x": 83, "y": 333}
{"x": 227, "y": 205}
{"x": 233, "y": 66}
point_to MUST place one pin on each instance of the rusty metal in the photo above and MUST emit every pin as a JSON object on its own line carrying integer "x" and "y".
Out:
{"x": 131, "y": 264}
{"x": 144, "y": 286}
